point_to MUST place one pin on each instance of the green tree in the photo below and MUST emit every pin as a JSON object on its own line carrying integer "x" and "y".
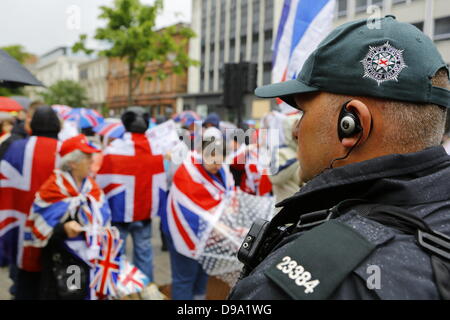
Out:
{"x": 66, "y": 92}
{"x": 131, "y": 35}
{"x": 17, "y": 52}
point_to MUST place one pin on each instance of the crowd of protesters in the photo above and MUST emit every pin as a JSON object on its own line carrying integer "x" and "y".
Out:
{"x": 70, "y": 186}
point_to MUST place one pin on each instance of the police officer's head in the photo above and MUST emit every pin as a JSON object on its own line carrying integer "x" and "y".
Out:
{"x": 368, "y": 90}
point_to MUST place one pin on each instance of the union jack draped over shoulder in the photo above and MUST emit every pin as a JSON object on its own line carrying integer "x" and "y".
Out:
{"x": 196, "y": 199}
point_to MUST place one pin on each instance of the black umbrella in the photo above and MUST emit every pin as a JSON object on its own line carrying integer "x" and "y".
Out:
{"x": 13, "y": 74}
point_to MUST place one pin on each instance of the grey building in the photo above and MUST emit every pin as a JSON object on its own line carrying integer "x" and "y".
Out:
{"x": 228, "y": 31}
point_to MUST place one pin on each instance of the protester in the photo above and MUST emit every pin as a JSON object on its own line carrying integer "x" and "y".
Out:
{"x": 286, "y": 180}
{"x": 169, "y": 168}
{"x": 372, "y": 221}
{"x": 200, "y": 187}
{"x": 21, "y": 127}
{"x": 6, "y": 126}
{"x": 134, "y": 182}
{"x": 212, "y": 120}
{"x": 245, "y": 164}
{"x": 66, "y": 205}
{"x": 26, "y": 165}
{"x": 211, "y": 125}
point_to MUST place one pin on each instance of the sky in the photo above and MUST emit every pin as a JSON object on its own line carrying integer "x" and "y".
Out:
{"x": 42, "y": 25}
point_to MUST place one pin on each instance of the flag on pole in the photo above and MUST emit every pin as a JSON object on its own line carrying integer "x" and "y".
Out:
{"x": 303, "y": 25}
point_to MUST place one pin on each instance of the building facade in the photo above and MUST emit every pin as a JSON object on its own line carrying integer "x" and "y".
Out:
{"x": 92, "y": 75}
{"x": 228, "y": 31}
{"x": 58, "y": 64}
{"x": 159, "y": 97}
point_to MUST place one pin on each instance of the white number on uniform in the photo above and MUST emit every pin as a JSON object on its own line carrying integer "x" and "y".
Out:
{"x": 297, "y": 273}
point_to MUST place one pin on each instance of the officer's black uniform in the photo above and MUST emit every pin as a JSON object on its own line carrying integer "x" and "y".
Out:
{"x": 418, "y": 182}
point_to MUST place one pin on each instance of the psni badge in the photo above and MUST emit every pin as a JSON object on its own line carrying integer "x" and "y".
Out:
{"x": 383, "y": 63}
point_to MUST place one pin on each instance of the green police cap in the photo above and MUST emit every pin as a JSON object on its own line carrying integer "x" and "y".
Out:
{"x": 379, "y": 58}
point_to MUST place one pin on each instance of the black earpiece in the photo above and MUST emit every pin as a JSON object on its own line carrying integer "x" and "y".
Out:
{"x": 348, "y": 123}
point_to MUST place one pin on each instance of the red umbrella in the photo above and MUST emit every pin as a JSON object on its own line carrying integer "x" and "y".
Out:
{"x": 9, "y": 105}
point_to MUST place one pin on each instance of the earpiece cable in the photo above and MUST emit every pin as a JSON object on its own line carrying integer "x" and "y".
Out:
{"x": 348, "y": 153}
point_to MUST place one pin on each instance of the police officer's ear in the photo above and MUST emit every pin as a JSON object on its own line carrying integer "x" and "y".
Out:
{"x": 354, "y": 115}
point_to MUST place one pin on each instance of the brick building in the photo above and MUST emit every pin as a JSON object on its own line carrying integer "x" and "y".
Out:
{"x": 160, "y": 97}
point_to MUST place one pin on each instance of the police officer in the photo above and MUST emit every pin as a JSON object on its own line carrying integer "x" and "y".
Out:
{"x": 372, "y": 221}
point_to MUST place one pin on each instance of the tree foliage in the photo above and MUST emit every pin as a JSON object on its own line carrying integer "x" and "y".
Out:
{"x": 66, "y": 92}
{"x": 131, "y": 35}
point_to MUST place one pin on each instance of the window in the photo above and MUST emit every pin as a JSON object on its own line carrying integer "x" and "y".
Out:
{"x": 256, "y": 12}
{"x": 233, "y": 18}
{"x": 377, "y": 3}
{"x": 222, "y": 20}
{"x": 361, "y": 5}
{"x": 83, "y": 74}
{"x": 232, "y": 49}
{"x": 342, "y": 8}
{"x": 268, "y": 20}
{"x": 267, "y": 78}
{"x": 418, "y": 25}
{"x": 268, "y": 46}
{"x": 442, "y": 28}
{"x": 394, "y": 2}
{"x": 244, "y": 19}
{"x": 254, "y": 57}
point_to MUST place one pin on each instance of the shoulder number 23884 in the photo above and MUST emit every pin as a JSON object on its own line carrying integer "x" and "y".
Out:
{"x": 297, "y": 273}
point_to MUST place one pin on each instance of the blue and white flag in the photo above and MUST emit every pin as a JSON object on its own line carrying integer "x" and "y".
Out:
{"x": 303, "y": 25}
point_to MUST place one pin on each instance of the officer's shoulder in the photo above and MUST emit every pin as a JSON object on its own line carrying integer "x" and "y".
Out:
{"x": 314, "y": 264}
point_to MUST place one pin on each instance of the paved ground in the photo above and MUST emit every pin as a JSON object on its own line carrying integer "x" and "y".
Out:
{"x": 5, "y": 283}
{"x": 160, "y": 260}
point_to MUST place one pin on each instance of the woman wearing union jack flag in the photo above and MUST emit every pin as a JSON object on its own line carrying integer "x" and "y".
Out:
{"x": 69, "y": 230}
{"x": 197, "y": 197}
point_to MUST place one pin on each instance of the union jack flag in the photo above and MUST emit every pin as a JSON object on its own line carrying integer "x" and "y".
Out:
{"x": 61, "y": 110}
{"x": 84, "y": 117}
{"x": 57, "y": 200}
{"x": 25, "y": 167}
{"x": 254, "y": 179}
{"x": 111, "y": 130}
{"x": 131, "y": 279}
{"x": 133, "y": 179}
{"x": 107, "y": 267}
{"x": 196, "y": 199}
